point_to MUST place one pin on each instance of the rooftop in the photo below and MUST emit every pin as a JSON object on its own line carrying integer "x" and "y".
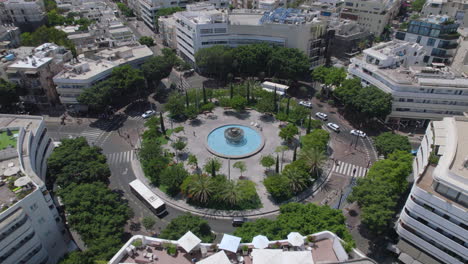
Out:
{"x": 435, "y": 19}
{"x": 204, "y": 16}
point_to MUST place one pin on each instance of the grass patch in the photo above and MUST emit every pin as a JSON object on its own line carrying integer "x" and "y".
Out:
{"x": 7, "y": 140}
{"x": 163, "y": 188}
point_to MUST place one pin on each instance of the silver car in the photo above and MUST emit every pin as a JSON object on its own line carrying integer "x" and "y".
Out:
{"x": 306, "y": 104}
{"x": 148, "y": 113}
{"x": 334, "y": 127}
{"x": 321, "y": 116}
{"x": 358, "y": 133}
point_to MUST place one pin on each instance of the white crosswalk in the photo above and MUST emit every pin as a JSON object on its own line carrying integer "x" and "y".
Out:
{"x": 92, "y": 134}
{"x": 121, "y": 157}
{"x": 134, "y": 115}
{"x": 348, "y": 169}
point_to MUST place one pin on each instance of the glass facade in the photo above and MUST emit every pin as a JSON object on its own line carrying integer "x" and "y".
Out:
{"x": 431, "y": 29}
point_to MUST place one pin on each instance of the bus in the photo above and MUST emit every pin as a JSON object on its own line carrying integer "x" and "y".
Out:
{"x": 154, "y": 203}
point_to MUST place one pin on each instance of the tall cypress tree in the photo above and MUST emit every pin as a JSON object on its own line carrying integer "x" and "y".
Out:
{"x": 161, "y": 120}
{"x": 295, "y": 154}
{"x": 248, "y": 92}
{"x": 287, "y": 107}
{"x": 274, "y": 102}
{"x": 277, "y": 164}
{"x": 204, "y": 95}
{"x": 309, "y": 125}
{"x": 186, "y": 99}
{"x": 213, "y": 169}
{"x": 231, "y": 91}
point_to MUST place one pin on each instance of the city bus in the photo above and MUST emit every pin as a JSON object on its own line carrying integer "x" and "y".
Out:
{"x": 152, "y": 201}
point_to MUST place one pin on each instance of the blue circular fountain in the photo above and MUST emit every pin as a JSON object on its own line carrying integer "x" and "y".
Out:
{"x": 234, "y": 141}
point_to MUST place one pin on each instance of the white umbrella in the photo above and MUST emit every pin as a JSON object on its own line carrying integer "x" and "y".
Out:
{"x": 295, "y": 239}
{"x": 230, "y": 243}
{"x": 11, "y": 171}
{"x": 22, "y": 181}
{"x": 260, "y": 242}
{"x": 188, "y": 241}
{"x": 218, "y": 258}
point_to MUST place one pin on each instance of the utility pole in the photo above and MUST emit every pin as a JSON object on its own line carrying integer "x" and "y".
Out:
{"x": 341, "y": 197}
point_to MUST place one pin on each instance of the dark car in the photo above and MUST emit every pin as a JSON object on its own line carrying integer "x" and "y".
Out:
{"x": 238, "y": 221}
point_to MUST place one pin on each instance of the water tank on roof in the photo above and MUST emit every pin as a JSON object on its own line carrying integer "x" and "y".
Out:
{"x": 10, "y": 57}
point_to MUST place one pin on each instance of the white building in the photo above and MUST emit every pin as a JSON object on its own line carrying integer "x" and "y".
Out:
{"x": 374, "y": 15}
{"x": 86, "y": 72}
{"x": 27, "y": 15}
{"x": 290, "y": 28}
{"x": 436, "y": 34}
{"x": 31, "y": 230}
{"x": 419, "y": 93}
{"x": 434, "y": 218}
{"x": 460, "y": 59}
{"x": 455, "y": 9}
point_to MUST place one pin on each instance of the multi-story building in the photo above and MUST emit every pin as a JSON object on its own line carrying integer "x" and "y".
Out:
{"x": 434, "y": 219}
{"x": 374, "y": 15}
{"x": 31, "y": 229}
{"x": 149, "y": 8}
{"x": 456, "y": 9}
{"x": 437, "y": 34}
{"x": 27, "y": 15}
{"x": 290, "y": 28}
{"x": 419, "y": 93}
{"x": 78, "y": 75}
{"x": 460, "y": 59}
{"x": 33, "y": 72}
{"x": 348, "y": 36}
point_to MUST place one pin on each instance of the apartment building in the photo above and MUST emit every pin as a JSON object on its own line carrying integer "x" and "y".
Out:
{"x": 420, "y": 93}
{"x": 374, "y": 15}
{"x": 437, "y": 34}
{"x": 85, "y": 72}
{"x": 149, "y": 8}
{"x": 292, "y": 28}
{"x": 31, "y": 229}
{"x": 9, "y": 36}
{"x": 32, "y": 69}
{"x": 27, "y": 15}
{"x": 348, "y": 35}
{"x": 456, "y": 9}
{"x": 460, "y": 59}
{"x": 433, "y": 223}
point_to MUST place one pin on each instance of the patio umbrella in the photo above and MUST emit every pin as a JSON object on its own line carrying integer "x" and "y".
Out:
{"x": 11, "y": 171}
{"x": 22, "y": 181}
{"x": 260, "y": 242}
{"x": 230, "y": 243}
{"x": 218, "y": 258}
{"x": 188, "y": 241}
{"x": 295, "y": 239}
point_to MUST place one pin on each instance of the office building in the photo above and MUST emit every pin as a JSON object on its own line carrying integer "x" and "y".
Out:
{"x": 437, "y": 34}
{"x": 420, "y": 93}
{"x": 292, "y": 28}
{"x": 373, "y": 15}
{"x": 455, "y": 9}
{"x": 27, "y": 15}
{"x": 433, "y": 225}
{"x": 348, "y": 38}
{"x": 85, "y": 72}
{"x": 31, "y": 229}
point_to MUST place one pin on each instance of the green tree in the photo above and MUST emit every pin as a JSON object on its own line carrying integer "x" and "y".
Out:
{"x": 145, "y": 40}
{"x": 276, "y": 186}
{"x": 288, "y": 63}
{"x": 192, "y": 160}
{"x": 152, "y": 158}
{"x": 179, "y": 145}
{"x": 77, "y": 162}
{"x": 417, "y": 5}
{"x": 335, "y": 76}
{"x": 148, "y": 222}
{"x": 373, "y": 102}
{"x": 172, "y": 177}
{"x": 216, "y": 60}
{"x": 314, "y": 158}
{"x": 240, "y": 165}
{"x": 320, "y": 73}
{"x": 318, "y": 138}
{"x": 387, "y": 143}
{"x": 348, "y": 91}
{"x": 126, "y": 11}
{"x": 187, "y": 222}
{"x": 238, "y": 103}
{"x": 156, "y": 68}
{"x": 161, "y": 119}
{"x": 175, "y": 105}
{"x": 47, "y": 34}
{"x": 298, "y": 180}
{"x": 266, "y": 103}
{"x": 201, "y": 188}
{"x": 54, "y": 18}
{"x": 267, "y": 161}
{"x": 288, "y": 132}
{"x": 8, "y": 93}
{"x": 212, "y": 166}
{"x": 50, "y": 5}
{"x": 231, "y": 193}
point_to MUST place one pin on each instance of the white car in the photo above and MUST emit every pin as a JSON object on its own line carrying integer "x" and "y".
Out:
{"x": 148, "y": 113}
{"x": 306, "y": 104}
{"x": 334, "y": 127}
{"x": 358, "y": 133}
{"x": 321, "y": 116}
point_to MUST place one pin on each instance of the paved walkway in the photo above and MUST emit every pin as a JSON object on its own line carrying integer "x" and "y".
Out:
{"x": 255, "y": 172}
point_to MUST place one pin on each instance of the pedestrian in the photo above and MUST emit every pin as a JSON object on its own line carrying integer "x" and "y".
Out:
{"x": 194, "y": 134}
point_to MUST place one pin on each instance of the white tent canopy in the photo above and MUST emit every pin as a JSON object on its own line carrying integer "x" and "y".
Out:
{"x": 230, "y": 243}
{"x": 188, "y": 241}
{"x": 295, "y": 239}
{"x": 278, "y": 256}
{"x": 218, "y": 258}
{"x": 260, "y": 241}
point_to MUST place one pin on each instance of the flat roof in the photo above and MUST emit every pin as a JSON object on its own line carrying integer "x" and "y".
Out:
{"x": 245, "y": 19}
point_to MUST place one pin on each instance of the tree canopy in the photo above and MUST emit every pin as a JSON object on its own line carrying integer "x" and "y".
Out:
{"x": 288, "y": 132}
{"x": 146, "y": 40}
{"x": 47, "y": 34}
{"x": 187, "y": 222}
{"x": 329, "y": 75}
{"x": 318, "y": 138}
{"x": 379, "y": 192}
{"x": 295, "y": 217}
{"x": 126, "y": 11}
{"x": 388, "y": 142}
{"x": 8, "y": 93}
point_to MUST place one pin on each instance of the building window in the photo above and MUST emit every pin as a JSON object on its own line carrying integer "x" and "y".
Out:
{"x": 430, "y": 42}
{"x": 418, "y": 40}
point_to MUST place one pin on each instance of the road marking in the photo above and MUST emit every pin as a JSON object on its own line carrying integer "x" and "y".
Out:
{"x": 345, "y": 168}
{"x": 120, "y": 157}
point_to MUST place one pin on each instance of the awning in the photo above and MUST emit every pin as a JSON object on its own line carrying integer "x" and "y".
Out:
{"x": 218, "y": 258}
{"x": 295, "y": 239}
{"x": 260, "y": 242}
{"x": 230, "y": 243}
{"x": 188, "y": 241}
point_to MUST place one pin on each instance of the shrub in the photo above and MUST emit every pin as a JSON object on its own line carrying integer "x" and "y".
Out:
{"x": 276, "y": 186}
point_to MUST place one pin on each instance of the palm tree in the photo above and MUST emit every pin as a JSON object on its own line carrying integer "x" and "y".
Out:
{"x": 297, "y": 181}
{"x": 201, "y": 188}
{"x": 314, "y": 158}
{"x": 231, "y": 193}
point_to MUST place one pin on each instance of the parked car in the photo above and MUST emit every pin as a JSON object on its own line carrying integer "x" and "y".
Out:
{"x": 358, "y": 133}
{"x": 321, "y": 116}
{"x": 238, "y": 221}
{"x": 148, "y": 113}
{"x": 306, "y": 104}
{"x": 334, "y": 127}
{"x": 189, "y": 73}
